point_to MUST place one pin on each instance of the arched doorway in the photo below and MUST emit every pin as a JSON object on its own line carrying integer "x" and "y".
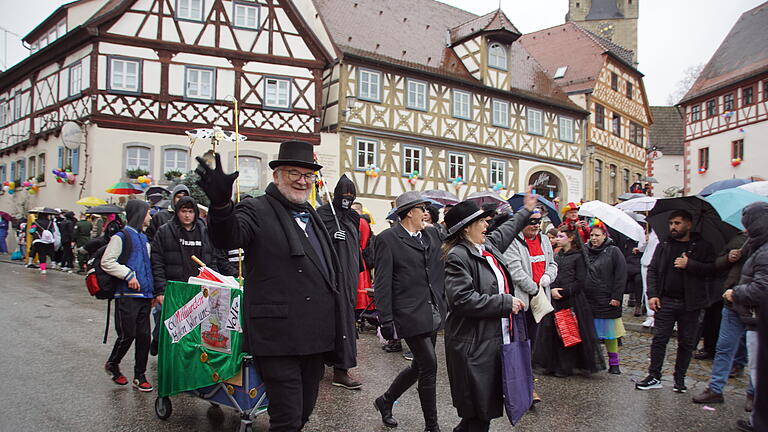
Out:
{"x": 546, "y": 184}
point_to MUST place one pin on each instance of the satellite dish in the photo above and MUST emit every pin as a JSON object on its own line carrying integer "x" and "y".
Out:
{"x": 71, "y": 135}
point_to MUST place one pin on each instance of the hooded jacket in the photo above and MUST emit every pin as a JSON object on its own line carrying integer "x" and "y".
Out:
{"x": 171, "y": 250}
{"x": 753, "y": 285}
{"x": 606, "y": 279}
{"x": 138, "y": 264}
{"x": 162, "y": 216}
{"x": 518, "y": 259}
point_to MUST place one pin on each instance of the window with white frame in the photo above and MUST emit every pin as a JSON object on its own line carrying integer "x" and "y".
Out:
{"x": 137, "y": 158}
{"x": 41, "y": 165}
{"x": 369, "y": 85}
{"x": 68, "y": 159}
{"x": 175, "y": 160}
{"x": 246, "y": 15}
{"x": 3, "y": 174}
{"x": 457, "y": 166}
{"x": 32, "y": 164}
{"x": 250, "y": 173}
{"x": 3, "y": 113}
{"x": 124, "y": 75}
{"x": 462, "y": 104}
{"x": 277, "y": 93}
{"x": 412, "y": 160}
{"x": 500, "y": 113}
{"x": 75, "y": 79}
{"x": 366, "y": 153}
{"x": 189, "y": 10}
{"x": 417, "y": 95}
{"x": 201, "y": 83}
{"x": 565, "y": 126}
{"x": 17, "y": 108}
{"x": 497, "y": 56}
{"x": 61, "y": 28}
{"x": 534, "y": 121}
{"x": 497, "y": 172}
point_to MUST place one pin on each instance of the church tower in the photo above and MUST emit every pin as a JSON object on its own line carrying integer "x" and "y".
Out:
{"x": 615, "y": 20}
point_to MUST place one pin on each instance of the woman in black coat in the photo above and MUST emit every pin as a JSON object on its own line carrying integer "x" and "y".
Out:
{"x": 478, "y": 287}
{"x": 551, "y": 356}
{"x": 606, "y": 279}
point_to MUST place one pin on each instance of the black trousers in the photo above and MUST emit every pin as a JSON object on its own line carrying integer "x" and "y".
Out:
{"x": 292, "y": 383}
{"x": 673, "y": 311}
{"x": 533, "y": 327}
{"x": 67, "y": 255}
{"x": 132, "y": 325}
{"x": 423, "y": 369}
{"x": 43, "y": 251}
{"x": 710, "y": 326}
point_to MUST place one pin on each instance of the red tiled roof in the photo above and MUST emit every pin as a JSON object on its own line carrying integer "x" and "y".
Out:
{"x": 417, "y": 33}
{"x": 743, "y": 54}
{"x": 577, "y": 48}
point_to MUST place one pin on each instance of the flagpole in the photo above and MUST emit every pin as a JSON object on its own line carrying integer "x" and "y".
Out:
{"x": 237, "y": 185}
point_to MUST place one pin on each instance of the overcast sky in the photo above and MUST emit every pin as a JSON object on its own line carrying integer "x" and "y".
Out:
{"x": 673, "y": 34}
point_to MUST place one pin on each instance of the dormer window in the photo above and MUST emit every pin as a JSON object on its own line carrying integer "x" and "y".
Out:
{"x": 497, "y": 56}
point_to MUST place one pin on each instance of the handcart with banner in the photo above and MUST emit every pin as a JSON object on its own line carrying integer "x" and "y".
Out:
{"x": 200, "y": 350}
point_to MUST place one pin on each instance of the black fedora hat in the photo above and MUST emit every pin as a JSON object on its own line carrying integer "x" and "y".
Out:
{"x": 296, "y": 153}
{"x": 463, "y": 214}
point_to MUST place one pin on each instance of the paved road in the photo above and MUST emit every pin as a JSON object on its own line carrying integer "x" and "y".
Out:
{"x": 51, "y": 362}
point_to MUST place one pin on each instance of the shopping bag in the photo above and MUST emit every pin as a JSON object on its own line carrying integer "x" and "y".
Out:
{"x": 517, "y": 376}
{"x": 567, "y": 327}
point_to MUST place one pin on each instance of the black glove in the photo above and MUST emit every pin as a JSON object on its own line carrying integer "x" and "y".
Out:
{"x": 387, "y": 330}
{"x": 215, "y": 184}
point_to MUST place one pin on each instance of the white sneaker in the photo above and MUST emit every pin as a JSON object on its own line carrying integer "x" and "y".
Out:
{"x": 648, "y": 323}
{"x": 43, "y": 271}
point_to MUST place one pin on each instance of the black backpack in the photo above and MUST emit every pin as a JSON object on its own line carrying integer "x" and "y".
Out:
{"x": 101, "y": 284}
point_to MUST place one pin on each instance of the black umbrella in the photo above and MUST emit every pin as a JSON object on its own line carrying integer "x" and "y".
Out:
{"x": 706, "y": 221}
{"x": 157, "y": 190}
{"x": 104, "y": 209}
{"x": 45, "y": 210}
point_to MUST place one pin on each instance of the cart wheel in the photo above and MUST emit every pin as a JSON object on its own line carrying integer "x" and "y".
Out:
{"x": 163, "y": 407}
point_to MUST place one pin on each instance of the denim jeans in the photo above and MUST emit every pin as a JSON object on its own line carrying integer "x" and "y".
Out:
{"x": 158, "y": 318}
{"x": 752, "y": 347}
{"x": 731, "y": 333}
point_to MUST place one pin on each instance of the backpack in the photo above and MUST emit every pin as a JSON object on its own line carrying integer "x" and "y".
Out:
{"x": 101, "y": 284}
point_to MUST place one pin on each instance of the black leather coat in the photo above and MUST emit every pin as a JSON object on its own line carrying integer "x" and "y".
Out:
{"x": 473, "y": 335}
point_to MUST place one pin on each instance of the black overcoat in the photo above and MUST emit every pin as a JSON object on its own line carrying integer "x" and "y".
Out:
{"x": 290, "y": 299}
{"x": 406, "y": 273}
{"x": 168, "y": 254}
{"x": 473, "y": 335}
{"x": 348, "y": 252}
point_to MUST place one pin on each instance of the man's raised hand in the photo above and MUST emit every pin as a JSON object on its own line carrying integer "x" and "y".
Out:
{"x": 216, "y": 185}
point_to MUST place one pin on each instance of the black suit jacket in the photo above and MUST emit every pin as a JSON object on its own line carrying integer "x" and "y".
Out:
{"x": 290, "y": 300}
{"x": 406, "y": 274}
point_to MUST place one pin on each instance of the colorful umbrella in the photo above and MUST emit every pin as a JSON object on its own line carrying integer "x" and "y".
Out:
{"x": 90, "y": 201}
{"x": 730, "y": 202}
{"x": 123, "y": 188}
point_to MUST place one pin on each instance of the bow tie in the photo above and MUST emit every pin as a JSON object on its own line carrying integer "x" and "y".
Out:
{"x": 303, "y": 216}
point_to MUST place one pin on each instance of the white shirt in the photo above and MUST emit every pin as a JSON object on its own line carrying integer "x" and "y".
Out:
{"x": 500, "y": 283}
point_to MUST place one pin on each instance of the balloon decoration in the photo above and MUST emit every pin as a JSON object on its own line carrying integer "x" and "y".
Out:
{"x": 372, "y": 171}
{"x": 64, "y": 176}
{"x": 735, "y": 162}
{"x": 498, "y": 186}
{"x": 702, "y": 170}
{"x": 457, "y": 182}
{"x": 144, "y": 181}
{"x": 412, "y": 177}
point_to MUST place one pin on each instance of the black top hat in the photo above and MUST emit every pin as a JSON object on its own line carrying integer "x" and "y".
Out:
{"x": 296, "y": 153}
{"x": 463, "y": 214}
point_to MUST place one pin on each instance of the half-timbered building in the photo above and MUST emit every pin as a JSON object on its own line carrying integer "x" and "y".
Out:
{"x": 136, "y": 74}
{"x": 434, "y": 97}
{"x": 726, "y": 109}
{"x": 599, "y": 76}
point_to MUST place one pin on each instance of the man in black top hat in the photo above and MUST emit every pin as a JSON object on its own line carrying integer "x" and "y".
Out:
{"x": 411, "y": 304}
{"x": 291, "y": 299}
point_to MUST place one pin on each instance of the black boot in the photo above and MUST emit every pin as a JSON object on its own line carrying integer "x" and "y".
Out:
{"x": 384, "y": 407}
